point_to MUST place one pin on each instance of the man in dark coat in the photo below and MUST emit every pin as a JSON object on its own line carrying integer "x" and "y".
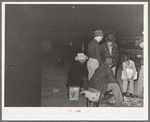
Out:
{"x": 78, "y": 73}
{"x": 110, "y": 50}
{"x": 94, "y": 54}
{"x": 104, "y": 80}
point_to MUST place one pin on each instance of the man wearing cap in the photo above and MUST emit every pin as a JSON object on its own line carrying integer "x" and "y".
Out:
{"x": 94, "y": 54}
{"x": 110, "y": 50}
{"x": 103, "y": 80}
{"x": 78, "y": 73}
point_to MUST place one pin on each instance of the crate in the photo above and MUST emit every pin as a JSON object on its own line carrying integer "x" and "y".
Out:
{"x": 73, "y": 92}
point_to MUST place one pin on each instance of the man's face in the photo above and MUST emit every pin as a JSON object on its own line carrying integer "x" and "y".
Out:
{"x": 110, "y": 38}
{"x": 100, "y": 38}
{"x": 82, "y": 61}
{"x": 127, "y": 62}
{"x": 109, "y": 43}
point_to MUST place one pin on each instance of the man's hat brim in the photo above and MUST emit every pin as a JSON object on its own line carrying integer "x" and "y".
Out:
{"x": 110, "y": 39}
{"x": 79, "y": 59}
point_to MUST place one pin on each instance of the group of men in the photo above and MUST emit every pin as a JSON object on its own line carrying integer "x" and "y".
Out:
{"x": 102, "y": 65}
{"x": 97, "y": 71}
{"x": 98, "y": 53}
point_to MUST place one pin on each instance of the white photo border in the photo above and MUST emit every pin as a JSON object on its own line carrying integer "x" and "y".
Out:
{"x": 68, "y": 113}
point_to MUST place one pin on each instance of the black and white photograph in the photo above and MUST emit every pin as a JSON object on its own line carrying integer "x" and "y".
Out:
{"x": 74, "y": 60}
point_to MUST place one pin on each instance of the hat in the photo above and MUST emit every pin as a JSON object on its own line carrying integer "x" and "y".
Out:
{"x": 110, "y": 37}
{"x": 108, "y": 61}
{"x": 81, "y": 56}
{"x": 98, "y": 33}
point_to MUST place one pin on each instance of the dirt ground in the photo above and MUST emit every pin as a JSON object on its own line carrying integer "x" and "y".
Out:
{"x": 54, "y": 91}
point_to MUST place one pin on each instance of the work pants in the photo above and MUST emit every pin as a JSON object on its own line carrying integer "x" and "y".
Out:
{"x": 116, "y": 92}
{"x": 92, "y": 65}
{"x": 125, "y": 86}
{"x": 140, "y": 87}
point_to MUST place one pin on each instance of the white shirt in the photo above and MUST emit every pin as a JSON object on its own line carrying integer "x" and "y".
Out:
{"x": 130, "y": 66}
{"x": 110, "y": 47}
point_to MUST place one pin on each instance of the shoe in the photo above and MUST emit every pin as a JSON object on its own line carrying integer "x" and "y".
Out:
{"x": 103, "y": 100}
{"x": 127, "y": 95}
{"x": 135, "y": 96}
{"x": 124, "y": 94}
{"x": 130, "y": 95}
{"x": 108, "y": 96}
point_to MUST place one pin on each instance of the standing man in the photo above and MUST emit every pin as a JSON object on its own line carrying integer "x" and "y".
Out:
{"x": 94, "y": 53}
{"x": 140, "y": 88}
{"x": 110, "y": 50}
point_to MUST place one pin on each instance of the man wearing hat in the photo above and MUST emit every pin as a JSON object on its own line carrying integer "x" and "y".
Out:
{"x": 110, "y": 50}
{"x": 78, "y": 73}
{"x": 103, "y": 80}
{"x": 94, "y": 54}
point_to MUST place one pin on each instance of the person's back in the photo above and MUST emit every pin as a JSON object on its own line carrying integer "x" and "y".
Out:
{"x": 100, "y": 78}
{"x": 104, "y": 81}
{"x": 78, "y": 73}
{"x": 91, "y": 49}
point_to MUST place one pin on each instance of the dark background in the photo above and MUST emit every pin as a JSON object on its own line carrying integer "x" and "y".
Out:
{"x": 26, "y": 26}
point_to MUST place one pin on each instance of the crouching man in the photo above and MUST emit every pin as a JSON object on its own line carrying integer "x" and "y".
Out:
{"x": 103, "y": 80}
{"x": 78, "y": 73}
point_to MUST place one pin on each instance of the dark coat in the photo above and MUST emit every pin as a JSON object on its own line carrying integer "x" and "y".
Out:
{"x": 76, "y": 73}
{"x": 104, "y": 50}
{"x": 93, "y": 51}
{"x": 102, "y": 76}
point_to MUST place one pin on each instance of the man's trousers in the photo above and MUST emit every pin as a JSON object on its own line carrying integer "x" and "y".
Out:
{"x": 116, "y": 92}
{"x": 125, "y": 86}
{"x": 92, "y": 65}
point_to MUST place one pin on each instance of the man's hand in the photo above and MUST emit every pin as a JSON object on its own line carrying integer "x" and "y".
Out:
{"x": 112, "y": 65}
{"x": 128, "y": 79}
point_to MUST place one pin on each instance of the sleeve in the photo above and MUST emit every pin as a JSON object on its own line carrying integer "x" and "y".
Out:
{"x": 98, "y": 55}
{"x": 98, "y": 74}
{"x": 101, "y": 49}
{"x": 96, "y": 79}
{"x": 124, "y": 70}
{"x": 111, "y": 77}
{"x": 116, "y": 55}
{"x": 84, "y": 71}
